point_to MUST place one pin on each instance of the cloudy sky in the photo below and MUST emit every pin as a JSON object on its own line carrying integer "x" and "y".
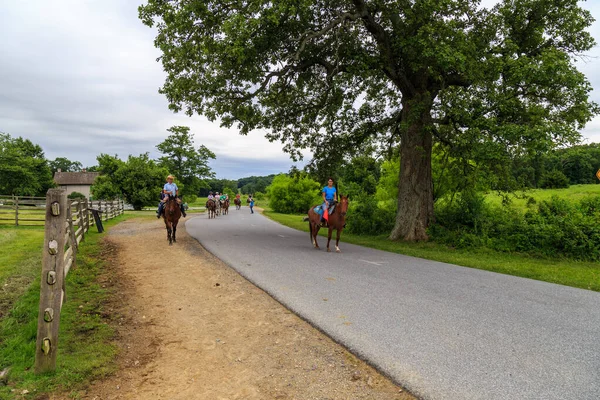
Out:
{"x": 80, "y": 77}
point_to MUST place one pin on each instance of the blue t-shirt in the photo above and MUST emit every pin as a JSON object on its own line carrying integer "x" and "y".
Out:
{"x": 170, "y": 187}
{"x": 329, "y": 193}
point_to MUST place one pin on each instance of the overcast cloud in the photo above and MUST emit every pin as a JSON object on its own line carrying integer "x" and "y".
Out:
{"x": 80, "y": 78}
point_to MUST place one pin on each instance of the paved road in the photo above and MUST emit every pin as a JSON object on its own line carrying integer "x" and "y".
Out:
{"x": 443, "y": 331}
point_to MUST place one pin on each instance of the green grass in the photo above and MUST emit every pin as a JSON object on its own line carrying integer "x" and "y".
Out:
{"x": 85, "y": 349}
{"x": 573, "y": 193}
{"x": 584, "y": 275}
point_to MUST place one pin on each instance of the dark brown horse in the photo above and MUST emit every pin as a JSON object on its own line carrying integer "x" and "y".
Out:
{"x": 211, "y": 207}
{"x": 238, "y": 203}
{"x": 225, "y": 206}
{"x": 171, "y": 215}
{"x": 337, "y": 221}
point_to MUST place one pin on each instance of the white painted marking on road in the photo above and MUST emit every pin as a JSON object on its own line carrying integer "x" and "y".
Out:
{"x": 374, "y": 262}
{"x": 281, "y": 236}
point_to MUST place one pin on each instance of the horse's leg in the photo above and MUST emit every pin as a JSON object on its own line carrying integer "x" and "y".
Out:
{"x": 175, "y": 231}
{"x": 316, "y": 228}
{"x": 169, "y": 235}
{"x": 329, "y": 237}
{"x": 337, "y": 240}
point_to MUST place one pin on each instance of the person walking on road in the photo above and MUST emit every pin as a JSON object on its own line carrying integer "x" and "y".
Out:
{"x": 250, "y": 201}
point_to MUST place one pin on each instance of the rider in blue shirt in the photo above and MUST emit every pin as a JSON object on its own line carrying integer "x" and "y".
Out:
{"x": 329, "y": 196}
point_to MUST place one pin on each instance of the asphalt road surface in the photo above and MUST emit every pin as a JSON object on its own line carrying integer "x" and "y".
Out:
{"x": 440, "y": 330}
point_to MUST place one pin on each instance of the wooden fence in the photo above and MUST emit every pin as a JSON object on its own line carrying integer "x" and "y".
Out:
{"x": 22, "y": 210}
{"x": 31, "y": 211}
{"x": 66, "y": 224}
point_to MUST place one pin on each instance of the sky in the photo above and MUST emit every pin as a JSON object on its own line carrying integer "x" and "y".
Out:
{"x": 80, "y": 78}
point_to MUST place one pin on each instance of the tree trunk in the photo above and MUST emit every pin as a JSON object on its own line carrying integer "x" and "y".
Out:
{"x": 415, "y": 186}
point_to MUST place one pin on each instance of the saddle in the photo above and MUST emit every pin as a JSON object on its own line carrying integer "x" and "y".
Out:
{"x": 329, "y": 211}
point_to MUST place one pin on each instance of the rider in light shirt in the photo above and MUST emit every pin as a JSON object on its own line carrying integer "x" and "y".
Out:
{"x": 171, "y": 189}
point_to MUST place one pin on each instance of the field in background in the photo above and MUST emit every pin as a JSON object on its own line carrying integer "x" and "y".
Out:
{"x": 519, "y": 199}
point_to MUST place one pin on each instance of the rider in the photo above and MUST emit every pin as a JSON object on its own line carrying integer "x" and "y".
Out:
{"x": 329, "y": 196}
{"x": 210, "y": 196}
{"x": 170, "y": 188}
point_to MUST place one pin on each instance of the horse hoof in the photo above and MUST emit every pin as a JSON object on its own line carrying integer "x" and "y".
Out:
{"x": 328, "y": 250}
{"x": 338, "y": 251}
{"x": 170, "y": 244}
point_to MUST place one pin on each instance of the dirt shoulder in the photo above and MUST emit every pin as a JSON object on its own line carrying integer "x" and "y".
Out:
{"x": 190, "y": 327}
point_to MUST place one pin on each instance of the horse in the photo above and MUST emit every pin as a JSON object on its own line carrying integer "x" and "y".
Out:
{"x": 217, "y": 206}
{"x": 171, "y": 215}
{"x": 225, "y": 207}
{"x": 337, "y": 221}
{"x": 211, "y": 207}
{"x": 238, "y": 203}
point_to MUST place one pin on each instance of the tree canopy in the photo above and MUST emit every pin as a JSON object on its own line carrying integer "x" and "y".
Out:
{"x": 65, "y": 165}
{"x": 24, "y": 170}
{"x": 188, "y": 164}
{"x": 337, "y": 76}
{"x": 139, "y": 180}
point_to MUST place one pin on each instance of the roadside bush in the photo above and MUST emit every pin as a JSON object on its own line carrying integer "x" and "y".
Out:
{"x": 289, "y": 195}
{"x": 557, "y": 228}
{"x": 366, "y": 218}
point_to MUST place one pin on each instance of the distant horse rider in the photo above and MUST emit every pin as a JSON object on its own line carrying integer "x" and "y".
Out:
{"x": 170, "y": 189}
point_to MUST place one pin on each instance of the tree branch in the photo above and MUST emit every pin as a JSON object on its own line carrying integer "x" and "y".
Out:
{"x": 327, "y": 28}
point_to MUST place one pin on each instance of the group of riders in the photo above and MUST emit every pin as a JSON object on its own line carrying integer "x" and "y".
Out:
{"x": 329, "y": 194}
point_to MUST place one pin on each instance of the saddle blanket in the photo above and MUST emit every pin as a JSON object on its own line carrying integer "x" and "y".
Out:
{"x": 318, "y": 208}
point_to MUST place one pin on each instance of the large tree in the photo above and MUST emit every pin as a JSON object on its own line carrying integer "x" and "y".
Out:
{"x": 24, "y": 169}
{"x": 65, "y": 165}
{"x": 332, "y": 75}
{"x": 188, "y": 163}
{"x": 139, "y": 180}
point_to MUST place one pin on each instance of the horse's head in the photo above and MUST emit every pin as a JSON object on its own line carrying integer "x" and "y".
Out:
{"x": 343, "y": 204}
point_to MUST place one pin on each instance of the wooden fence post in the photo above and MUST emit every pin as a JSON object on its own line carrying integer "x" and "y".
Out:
{"x": 16, "y": 210}
{"x": 81, "y": 224}
{"x": 52, "y": 281}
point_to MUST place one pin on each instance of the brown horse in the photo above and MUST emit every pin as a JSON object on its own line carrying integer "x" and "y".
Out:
{"x": 337, "y": 221}
{"x": 238, "y": 203}
{"x": 211, "y": 207}
{"x": 225, "y": 206}
{"x": 171, "y": 215}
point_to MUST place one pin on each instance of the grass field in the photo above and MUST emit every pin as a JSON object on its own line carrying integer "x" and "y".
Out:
{"x": 573, "y": 193}
{"x": 584, "y": 275}
{"x": 85, "y": 351}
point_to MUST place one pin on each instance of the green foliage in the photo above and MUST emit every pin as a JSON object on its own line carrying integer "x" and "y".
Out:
{"x": 365, "y": 217}
{"x": 65, "y": 165}
{"x": 231, "y": 192}
{"x": 139, "y": 180}
{"x": 387, "y": 188}
{"x": 558, "y": 228}
{"x": 259, "y": 196}
{"x": 293, "y": 195}
{"x": 76, "y": 195}
{"x": 188, "y": 164}
{"x": 24, "y": 170}
{"x": 554, "y": 179}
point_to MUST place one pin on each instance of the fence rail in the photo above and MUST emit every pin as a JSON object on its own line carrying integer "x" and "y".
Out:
{"x": 66, "y": 222}
{"x": 22, "y": 210}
